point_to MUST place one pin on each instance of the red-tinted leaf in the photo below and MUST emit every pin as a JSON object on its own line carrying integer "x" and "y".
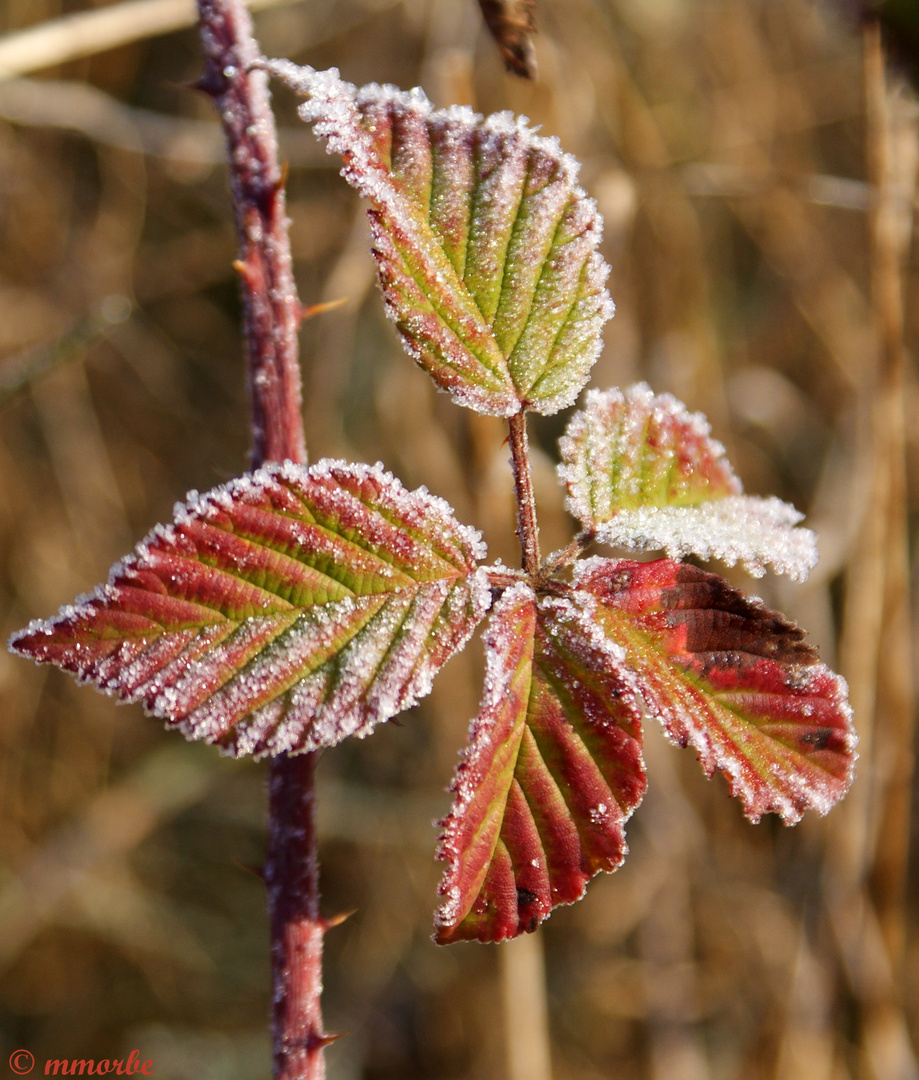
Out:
{"x": 630, "y": 449}
{"x": 644, "y": 473}
{"x": 731, "y": 678}
{"x": 486, "y": 245}
{"x": 285, "y": 611}
{"x": 552, "y": 772}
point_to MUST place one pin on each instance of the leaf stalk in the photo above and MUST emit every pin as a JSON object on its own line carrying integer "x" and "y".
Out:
{"x": 527, "y": 527}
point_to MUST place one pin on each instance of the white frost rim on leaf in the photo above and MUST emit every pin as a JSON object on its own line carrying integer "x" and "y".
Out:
{"x": 755, "y": 532}
{"x": 597, "y": 443}
{"x": 333, "y": 107}
{"x": 400, "y": 671}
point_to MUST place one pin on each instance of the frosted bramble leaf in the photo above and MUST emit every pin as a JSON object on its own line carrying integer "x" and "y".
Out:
{"x": 485, "y": 243}
{"x": 732, "y": 679}
{"x": 758, "y": 533}
{"x": 552, "y": 771}
{"x": 283, "y": 611}
{"x": 631, "y": 449}
{"x": 642, "y": 472}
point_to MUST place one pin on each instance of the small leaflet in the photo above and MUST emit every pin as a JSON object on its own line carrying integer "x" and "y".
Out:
{"x": 552, "y": 771}
{"x": 632, "y": 449}
{"x": 485, "y": 243}
{"x": 732, "y": 679}
{"x": 283, "y": 611}
{"x": 757, "y": 533}
{"x": 643, "y": 473}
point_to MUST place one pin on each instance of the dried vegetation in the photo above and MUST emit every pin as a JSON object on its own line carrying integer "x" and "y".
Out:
{"x": 729, "y": 147}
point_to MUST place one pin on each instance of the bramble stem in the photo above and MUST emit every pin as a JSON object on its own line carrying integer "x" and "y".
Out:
{"x": 271, "y": 308}
{"x": 271, "y": 317}
{"x": 292, "y": 878}
{"x": 527, "y": 528}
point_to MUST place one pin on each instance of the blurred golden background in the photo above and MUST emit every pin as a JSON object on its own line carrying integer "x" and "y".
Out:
{"x": 731, "y": 145}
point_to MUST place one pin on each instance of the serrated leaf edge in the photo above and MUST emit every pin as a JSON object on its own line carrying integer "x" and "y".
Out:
{"x": 329, "y": 95}
{"x": 712, "y": 758}
{"x": 221, "y": 498}
{"x": 579, "y": 609}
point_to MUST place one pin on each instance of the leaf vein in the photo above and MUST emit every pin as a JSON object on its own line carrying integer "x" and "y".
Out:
{"x": 548, "y": 366}
{"x": 531, "y": 302}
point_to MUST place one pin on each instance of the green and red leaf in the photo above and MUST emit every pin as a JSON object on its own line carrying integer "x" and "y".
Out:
{"x": 486, "y": 244}
{"x": 732, "y": 679}
{"x": 644, "y": 473}
{"x": 281, "y": 612}
{"x": 552, "y": 771}
{"x": 626, "y": 450}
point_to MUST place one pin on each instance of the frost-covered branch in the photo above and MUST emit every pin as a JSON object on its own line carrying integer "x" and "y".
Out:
{"x": 270, "y": 304}
{"x": 272, "y": 316}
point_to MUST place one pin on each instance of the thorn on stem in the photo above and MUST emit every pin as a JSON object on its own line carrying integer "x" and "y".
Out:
{"x": 320, "y": 1042}
{"x": 259, "y": 871}
{"x": 249, "y": 274}
{"x": 336, "y": 920}
{"x": 210, "y": 83}
{"x": 310, "y": 311}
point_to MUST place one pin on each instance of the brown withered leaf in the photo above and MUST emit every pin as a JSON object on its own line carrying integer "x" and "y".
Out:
{"x": 512, "y": 24}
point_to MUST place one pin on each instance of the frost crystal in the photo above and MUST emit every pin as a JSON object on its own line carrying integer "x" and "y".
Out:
{"x": 487, "y": 246}
{"x": 643, "y": 473}
{"x": 283, "y": 611}
{"x": 758, "y": 533}
{"x": 552, "y": 771}
{"x": 730, "y": 678}
{"x": 637, "y": 449}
